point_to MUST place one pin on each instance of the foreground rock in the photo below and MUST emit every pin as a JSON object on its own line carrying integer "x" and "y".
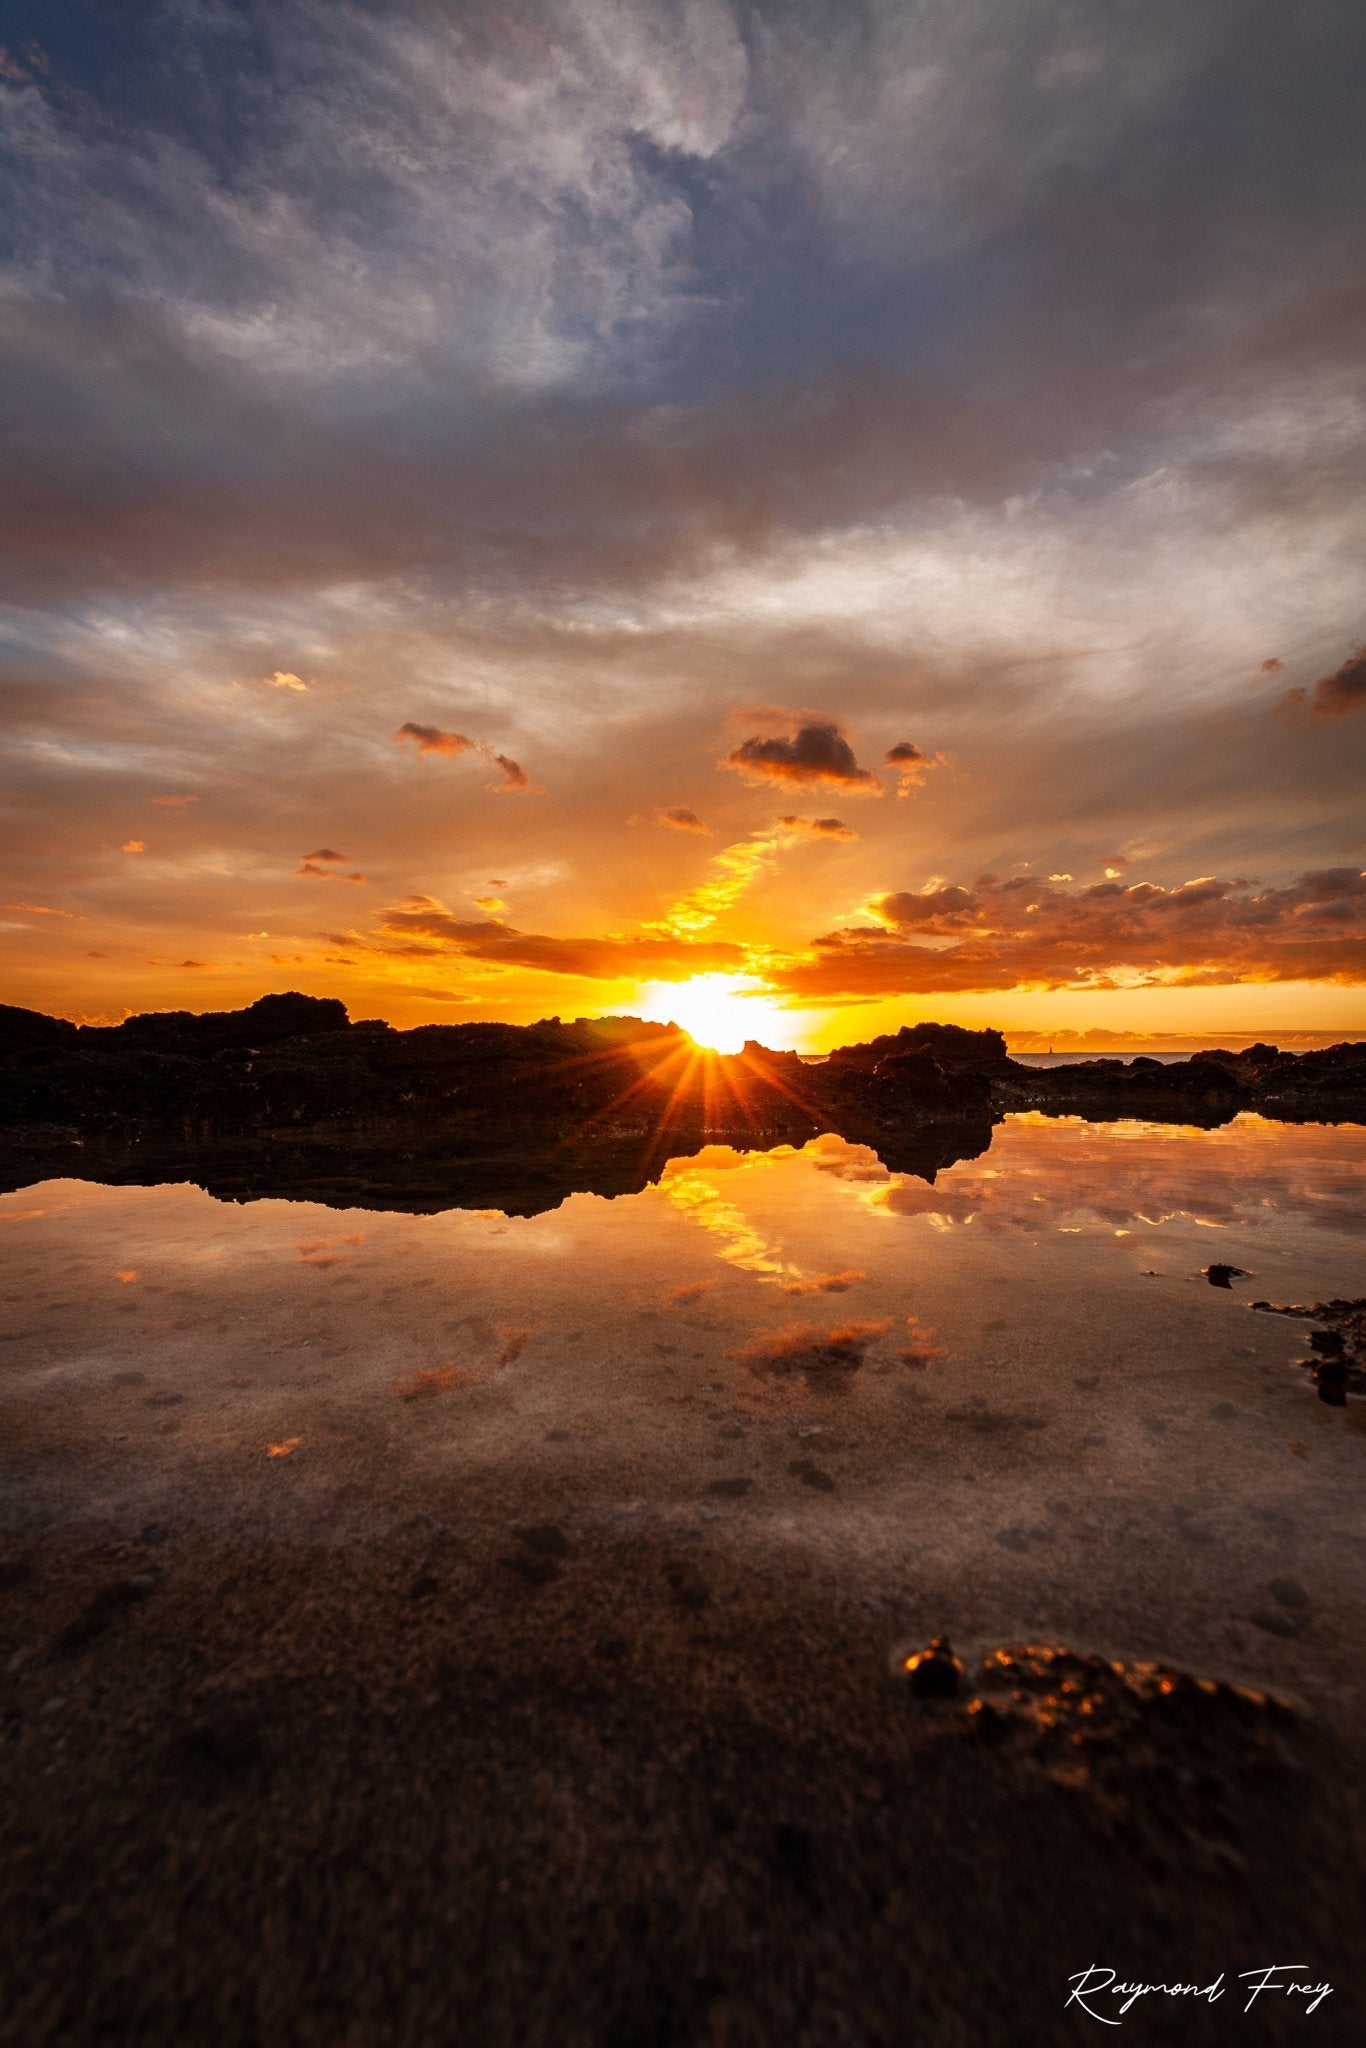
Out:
{"x": 289, "y": 1097}
{"x": 1309, "y": 1087}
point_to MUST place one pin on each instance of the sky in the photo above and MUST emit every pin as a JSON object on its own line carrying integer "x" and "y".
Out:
{"x": 511, "y": 509}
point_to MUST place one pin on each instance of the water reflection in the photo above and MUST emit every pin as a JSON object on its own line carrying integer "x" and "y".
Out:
{"x": 858, "y": 1321}
{"x": 1065, "y": 1174}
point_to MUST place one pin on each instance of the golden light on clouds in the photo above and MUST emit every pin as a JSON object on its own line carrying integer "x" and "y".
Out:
{"x": 748, "y": 628}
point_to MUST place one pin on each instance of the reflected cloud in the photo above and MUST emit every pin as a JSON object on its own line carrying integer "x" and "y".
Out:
{"x": 429, "y": 1381}
{"x": 1124, "y": 1176}
{"x": 694, "y": 1193}
{"x": 825, "y": 1359}
{"x": 825, "y": 1283}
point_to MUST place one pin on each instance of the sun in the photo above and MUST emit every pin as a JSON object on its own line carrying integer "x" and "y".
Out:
{"x": 718, "y": 1011}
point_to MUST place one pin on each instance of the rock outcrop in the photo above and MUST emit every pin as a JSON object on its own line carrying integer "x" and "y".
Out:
{"x": 289, "y": 1097}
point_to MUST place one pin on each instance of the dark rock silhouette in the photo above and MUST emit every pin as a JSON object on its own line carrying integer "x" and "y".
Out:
{"x": 1209, "y": 1088}
{"x": 287, "y": 1097}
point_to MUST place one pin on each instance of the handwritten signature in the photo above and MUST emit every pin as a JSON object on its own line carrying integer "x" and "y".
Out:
{"x": 1097, "y": 1983}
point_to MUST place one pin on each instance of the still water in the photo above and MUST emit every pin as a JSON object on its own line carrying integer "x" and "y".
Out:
{"x": 1061, "y": 1272}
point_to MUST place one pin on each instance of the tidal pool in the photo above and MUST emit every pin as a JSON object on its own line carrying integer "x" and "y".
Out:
{"x": 1019, "y": 1375}
{"x": 547, "y": 1581}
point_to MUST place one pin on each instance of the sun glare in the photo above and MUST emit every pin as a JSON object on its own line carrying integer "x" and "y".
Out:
{"x": 718, "y": 1011}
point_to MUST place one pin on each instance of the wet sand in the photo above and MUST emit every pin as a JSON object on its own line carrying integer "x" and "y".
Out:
{"x": 544, "y": 1685}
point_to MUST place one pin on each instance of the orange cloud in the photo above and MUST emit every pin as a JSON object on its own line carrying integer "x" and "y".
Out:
{"x": 676, "y": 818}
{"x": 825, "y": 1359}
{"x": 433, "y": 739}
{"x": 514, "y": 775}
{"x": 285, "y": 679}
{"x": 1022, "y": 932}
{"x": 815, "y": 753}
{"x": 911, "y": 765}
{"x": 825, "y": 1283}
{"x": 819, "y": 828}
{"x": 429, "y": 1381}
{"x": 423, "y": 926}
{"x": 175, "y": 803}
{"x": 430, "y": 739}
{"x": 309, "y": 866}
{"x": 133, "y": 846}
{"x": 46, "y": 910}
{"x": 692, "y": 1290}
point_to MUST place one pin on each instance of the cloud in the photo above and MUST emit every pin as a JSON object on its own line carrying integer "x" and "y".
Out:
{"x": 175, "y": 803}
{"x": 323, "y": 853}
{"x": 423, "y": 926}
{"x": 46, "y": 910}
{"x": 309, "y": 866}
{"x": 911, "y": 765}
{"x": 826, "y": 1359}
{"x": 825, "y": 1283}
{"x": 676, "y": 818}
{"x": 1272, "y": 665}
{"x": 1023, "y": 933}
{"x": 589, "y": 375}
{"x": 731, "y": 872}
{"x": 818, "y": 828}
{"x": 815, "y": 753}
{"x": 1338, "y": 695}
{"x": 430, "y": 739}
{"x": 429, "y": 1381}
{"x": 1234, "y": 1183}
{"x": 133, "y": 846}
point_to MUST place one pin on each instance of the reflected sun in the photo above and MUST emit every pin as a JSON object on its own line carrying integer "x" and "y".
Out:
{"x": 718, "y": 1011}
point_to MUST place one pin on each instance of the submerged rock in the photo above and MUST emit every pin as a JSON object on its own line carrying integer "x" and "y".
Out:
{"x": 1223, "y": 1276}
{"x": 934, "y": 1672}
{"x": 1337, "y": 1361}
{"x": 1157, "y": 1754}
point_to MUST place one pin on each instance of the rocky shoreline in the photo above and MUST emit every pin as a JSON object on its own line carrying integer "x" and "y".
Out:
{"x": 288, "y": 1096}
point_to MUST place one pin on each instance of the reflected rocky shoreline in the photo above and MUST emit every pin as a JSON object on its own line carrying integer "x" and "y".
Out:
{"x": 288, "y": 1098}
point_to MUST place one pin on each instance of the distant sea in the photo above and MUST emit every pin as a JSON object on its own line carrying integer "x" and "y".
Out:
{"x": 1076, "y": 1059}
{"x": 1051, "y": 1059}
